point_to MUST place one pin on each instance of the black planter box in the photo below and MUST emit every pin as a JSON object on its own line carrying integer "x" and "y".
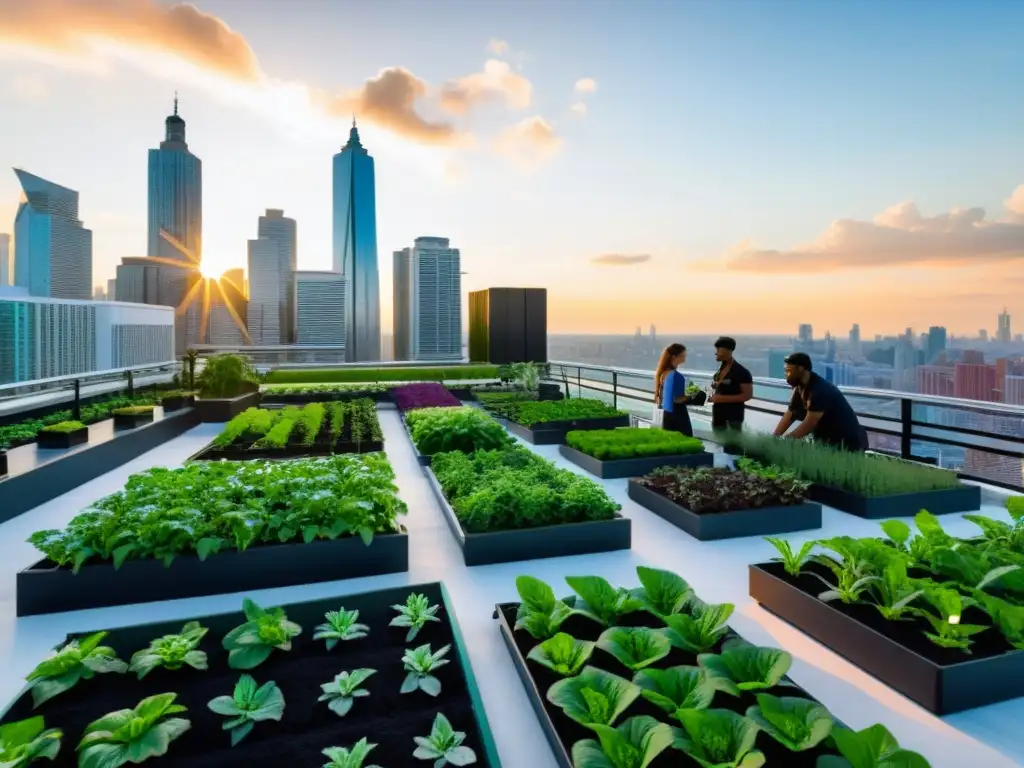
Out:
{"x": 422, "y": 459}
{"x": 554, "y": 432}
{"x": 464, "y": 394}
{"x": 939, "y": 689}
{"x": 550, "y": 392}
{"x": 27, "y": 490}
{"x": 132, "y": 420}
{"x": 3, "y": 462}
{"x": 728, "y": 525}
{"x": 386, "y": 717}
{"x": 176, "y": 403}
{"x": 44, "y": 588}
{"x": 534, "y": 543}
{"x": 219, "y": 410}
{"x": 210, "y": 453}
{"x": 636, "y": 467}
{"x": 966, "y": 498}
{"x": 48, "y": 441}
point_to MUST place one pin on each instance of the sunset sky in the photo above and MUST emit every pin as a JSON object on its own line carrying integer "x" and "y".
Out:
{"x": 703, "y": 166}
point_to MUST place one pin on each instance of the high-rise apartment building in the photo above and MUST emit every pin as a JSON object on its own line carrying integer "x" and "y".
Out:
{"x": 321, "y": 308}
{"x": 52, "y": 249}
{"x": 264, "y": 313}
{"x": 112, "y": 289}
{"x": 5, "y": 259}
{"x": 428, "y": 301}
{"x": 935, "y": 380}
{"x": 355, "y": 247}
{"x": 274, "y": 226}
{"x": 228, "y": 310}
{"x": 805, "y": 334}
{"x": 975, "y": 381}
{"x": 1003, "y": 334}
{"x": 935, "y": 345}
{"x": 855, "y": 347}
{"x": 1014, "y": 390}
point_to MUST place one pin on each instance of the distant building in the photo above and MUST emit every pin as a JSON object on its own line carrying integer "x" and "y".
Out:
{"x": 428, "y": 301}
{"x": 5, "y": 259}
{"x": 855, "y": 347}
{"x": 278, "y": 228}
{"x": 321, "y": 308}
{"x": 935, "y": 380}
{"x": 52, "y": 249}
{"x": 99, "y": 293}
{"x": 904, "y": 367}
{"x": 228, "y": 310}
{"x": 777, "y": 363}
{"x": 806, "y": 334}
{"x": 112, "y": 289}
{"x": 1003, "y": 334}
{"x": 974, "y": 381}
{"x": 264, "y": 317}
{"x": 43, "y": 338}
{"x": 840, "y": 374}
{"x": 1014, "y": 390}
{"x": 935, "y": 345}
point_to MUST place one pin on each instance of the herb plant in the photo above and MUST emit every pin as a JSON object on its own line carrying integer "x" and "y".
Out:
{"x": 251, "y": 643}
{"x": 676, "y": 688}
{"x": 227, "y": 375}
{"x": 420, "y": 663}
{"x": 340, "y": 625}
{"x": 172, "y": 651}
{"x": 25, "y": 741}
{"x": 443, "y": 745}
{"x": 530, "y": 412}
{"x": 539, "y": 613}
{"x": 415, "y": 614}
{"x": 594, "y": 696}
{"x": 745, "y": 667}
{"x": 77, "y": 660}
{"x": 635, "y": 648}
{"x": 798, "y": 724}
{"x": 466, "y": 429}
{"x": 628, "y": 443}
{"x": 247, "y": 706}
{"x": 709, "y": 489}
{"x": 132, "y": 735}
{"x": 562, "y": 654}
{"x": 341, "y": 693}
{"x": 792, "y": 561}
{"x": 340, "y": 757}
{"x": 634, "y": 744}
{"x": 719, "y": 738}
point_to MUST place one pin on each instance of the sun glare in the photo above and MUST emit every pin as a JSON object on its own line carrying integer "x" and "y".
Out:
{"x": 210, "y": 270}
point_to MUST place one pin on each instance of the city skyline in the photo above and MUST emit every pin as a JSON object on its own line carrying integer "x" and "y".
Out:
{"x": 726, "y": 182}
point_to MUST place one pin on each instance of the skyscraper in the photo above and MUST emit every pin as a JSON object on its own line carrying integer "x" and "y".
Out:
{"x": 855, "y": 340}
{"x": 321, "y": 308}
{"x": 1003, "y": 335}
{"x": 278, "y": 228}
{"x": 52, "y": 250}
{"x": 264, "y": 316}
{"x": 5, "y": 259}
{"x": 428, "y": 301}
{"x": 936, "y": 344}
{"x": 355, "y": 247}
{"x": 228, "y": 309}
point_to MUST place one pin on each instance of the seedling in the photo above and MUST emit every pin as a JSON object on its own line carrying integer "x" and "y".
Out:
{"x": 132, "y": 735}
{"x": 251, "y": 644}
{"x": 415, "y": 614}
{"x": 340, "y": 625}
{"x": 420, "y": 663}
{"x": 25, "y": 741}
{"x": 78, "y": 660}
{"x": 443, "y": 745}
{"x": 341, "y": 757}
{"x": 341, "y": 692}
{"x": 172, "y": 651}
{"x": 248, "y": 705}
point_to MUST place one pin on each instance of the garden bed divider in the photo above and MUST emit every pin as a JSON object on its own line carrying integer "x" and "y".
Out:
{"x": 224, "y": 409}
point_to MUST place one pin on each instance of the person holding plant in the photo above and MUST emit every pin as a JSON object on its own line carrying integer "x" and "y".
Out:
{"x": 733, "y": 386}
{"x": 670, "y": 391}
{"x": 822, "y": 410}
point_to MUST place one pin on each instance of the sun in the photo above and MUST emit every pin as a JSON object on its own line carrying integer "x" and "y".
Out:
{"x": 209, "y": 270}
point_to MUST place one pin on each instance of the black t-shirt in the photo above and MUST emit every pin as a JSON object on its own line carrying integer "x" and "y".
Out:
{"x": 723, "y": 414}
{"x": 838, "y": 425}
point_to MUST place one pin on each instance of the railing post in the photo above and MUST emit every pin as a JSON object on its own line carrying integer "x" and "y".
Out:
{"x": 76, "y": 411}
{"x": 579, "y": 382}
{"x": 906, "y": 428}
{"x": 131, "y": 384}
{"x": 615, "y": 390}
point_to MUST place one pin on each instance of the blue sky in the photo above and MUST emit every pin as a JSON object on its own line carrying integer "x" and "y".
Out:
{"x": 718, "y": 134}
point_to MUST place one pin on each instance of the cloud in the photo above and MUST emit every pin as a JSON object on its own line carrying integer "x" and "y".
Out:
{"x": 497, "y": 47}
{"x": 30, "y": 88}
{"x": 621, "y": 259}
{"x": 579, "y": 108}
{"x": 898, "y": 235}
{"x": 1015, "y": 203}
{"x": 497, "y": 81}
{"x": 530, "y": 142}
{"x": 586, "y": 85}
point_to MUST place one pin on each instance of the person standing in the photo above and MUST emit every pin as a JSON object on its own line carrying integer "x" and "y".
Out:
{"x": 733, "y": 386}
{"x": 670, "y": 390}
{"x": 822, "y": 410}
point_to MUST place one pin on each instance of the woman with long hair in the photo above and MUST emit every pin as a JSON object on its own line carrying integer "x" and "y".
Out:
{"x": 670, "y": 390}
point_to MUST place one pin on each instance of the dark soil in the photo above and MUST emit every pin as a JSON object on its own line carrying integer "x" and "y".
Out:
{"x": 569, "y": 731}
{"x": 908, "y": 632}
{"x": 386, "y": 717}
{"x": 661, "y": 484}
{"x": 242, "y": 450}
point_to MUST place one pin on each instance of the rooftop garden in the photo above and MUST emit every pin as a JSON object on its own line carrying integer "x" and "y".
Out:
{"x": 413, "y": 396}
{"x": 465, "y": 429}
{"x": 334, "y": 375}
{"x": 529, "y": 413}
{"x": 710, "y": 490}
{"x": 24, "y": 432}
{"x": 628, "y": 443}
{"x": 341, "y": 426}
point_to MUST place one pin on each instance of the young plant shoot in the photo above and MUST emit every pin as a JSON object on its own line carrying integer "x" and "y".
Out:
{"x": 594, "y": 697}
{"x": 676, "y": 688}
{"x": 340, "y": 625}
{"x": 132, "y": 735}
{"x": 415, "y": 614}
{"x": 539, "y": 613}
{"x": 172, "y": 651}
{"x": 247, "y": 706}
{"x": 78, "y": 660}
{"x": 562, "y": 654}
{"x": 637, "y": 742}
{"x": 250, "y": 644}
{"x": 745, "y": 667}
{"x": 419, "y": 664}
{"x": 341, "y": 693}
{"x": 444, "y": 745}
{"x": 25, "y": 741}
{"x": 341, "y": 757}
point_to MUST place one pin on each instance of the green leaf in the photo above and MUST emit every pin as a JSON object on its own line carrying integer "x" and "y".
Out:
{"x": 701, "y": 628}
{"x": 719, "y": 737}
{"x": 663, "y": 592}
{"x": 594, "y": 696}
{"x": 874, "y": 747}
{"x": 635, "y": 648}
{"x": 562, "y": 654}
{"x": 745, "y": 667}
{"x": 798, "y": 724}
{"x": 634, "y": 744}
{"x": 676, "y": 688}
{"x": 249, "y": 656}
{"x": 600, "y": 601}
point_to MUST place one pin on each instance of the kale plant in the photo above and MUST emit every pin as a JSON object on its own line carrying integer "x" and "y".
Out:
{"x": 340, "y": 625}
{"x": 443, "y": 745}
{"x": 419, "y": 664}
{"x": 415, "y": 614}
{"x": 251, "y": 643}
{"x": 341, "y": 693}
{"x": 77, "y": 660}
{"x": 25, "y": 741}
{"x": 594, "y": 696}
{"x": 132, "y": 735}
{"x": 247, "y": 706}
{"x": 172, "y": 651}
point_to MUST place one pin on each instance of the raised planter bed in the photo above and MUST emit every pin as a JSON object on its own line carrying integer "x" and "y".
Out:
{"x": 297, "y": 398}
{"x": 386, "y": 717}
{"x": 177, "y": 402}
{"x": 242, "y": 453}
{"x": 225, "y": 409}
{"x": 49, "y": 441}
{"x": 49, "y": 479}
{"x": 966, "y": 498}
{"x": 132, "y": 420}
{"x": 635, "y": 467}
{"x": 728, "y": 525}
{"x": 974, "y": 681}
{"x": 3, "y": 462}
{"x": 44, "y": 588}
{"x": 533, "y": 543}
{"x": 554, "y": 432}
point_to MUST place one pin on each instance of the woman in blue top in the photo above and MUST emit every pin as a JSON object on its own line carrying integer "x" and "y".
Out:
{"x": 670, "y": 390}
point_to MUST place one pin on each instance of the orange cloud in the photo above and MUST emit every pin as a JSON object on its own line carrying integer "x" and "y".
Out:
{"x": 497, "y": 81}
{"x": 531, "y": 142}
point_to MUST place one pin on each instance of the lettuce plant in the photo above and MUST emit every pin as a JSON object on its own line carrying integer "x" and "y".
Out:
{"x": 635, "y": 648}
{"x": 895, "y": 592}
{"x": 793, "y": 562}
{"x": 798, "y": 724}
{"x": 593, "y": 697}
{"x": 341, "y": 693}
{"x": 873, "y": 747}
{"x": 419, "y": 664}
{"x": 1007, "y": 616}
{"x": 948, "y": 631}
{"x": 742, "y": 666}
{"x": 77, "y": 660}
{"x": 132, "y": 735}
{"x": 172, "y": 651}
{"x": 562, "y": 654}
{"x": 250, "y": 644}
{"x": 600, "y": 601}
{"x": 539, "y": 613}
{"x": 701, "y": 628}
{"x": 247, "y": 706}
{"x": 676, "y": 688}
{"x": 443, "y": 745}
{"x": 340, "y": 757}
{"x": 415, "y": 614}
{"x": 634, "y": 744}
{"x": 663, "y": 593}
{"x": 719, "y": 738}
{"x": 340, "y": 625}
{"x": 25, "y": 741}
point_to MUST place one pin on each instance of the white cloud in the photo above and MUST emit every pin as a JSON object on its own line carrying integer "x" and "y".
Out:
{"x": 586, "y": 85}
{"x": 579, "y": 108}
{"x": 497, "y": 47}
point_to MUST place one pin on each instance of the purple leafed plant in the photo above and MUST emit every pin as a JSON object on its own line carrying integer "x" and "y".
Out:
{"x": 414, "y": 396}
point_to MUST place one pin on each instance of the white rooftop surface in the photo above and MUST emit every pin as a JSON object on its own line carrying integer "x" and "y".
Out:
{"x": 979, "y": 738}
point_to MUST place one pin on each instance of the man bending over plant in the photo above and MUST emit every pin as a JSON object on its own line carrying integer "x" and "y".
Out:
{"x": 821, "y": 409}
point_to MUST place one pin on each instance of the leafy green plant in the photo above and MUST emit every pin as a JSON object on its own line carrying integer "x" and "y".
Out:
{"x": 133, "y": 410}
{"x": 539, "y": 613}
{"x": 132, "y": 735}
{"x": 793, "y": 562}
{"x": 599, "y": 601}
{"x": 628, "y": 443}
{"x": 77, "y": 660}
{"x": 25, "y": 741}
{"x": 635, "y": 648}
{"x": 663, "y": 592}
{"x": 1009, "y": 618}
{"x": 742, "y": 666}
{"x": 227, "y": 375}
{"x": 340, "y": 757}
{"x": 798, "y": 724}
{"x": 712, "y": 490}
{"x": 251, "y": 643}
{"x": 634, "y": 744}
{"x": 466, "y": 429}
{"x": 348, "y": 375}
{"x": 719, "y": 738}
{"x": 895, "y": 592}
{"x": 340, "y": 625}
{"x": 530, "y": 412}
{"x": 562, "y": 654}
{"x": 420, "y": 663}
{"x": 873, "y": 747}
{"x": 64, "y": 427}
{"x": 594, "y": 696}
{"x": 247, "y": 706}
{"x": 172, "y": 651}
{"x": 676, "y": 688}
{"x": 443, "y": 745}
{"x": 341, "y": 693}
{"x": 853, "y": 577}
{"x": 701, "y": 628}
{"x": 415, "y": 614}
{"x": 949, "y": 632}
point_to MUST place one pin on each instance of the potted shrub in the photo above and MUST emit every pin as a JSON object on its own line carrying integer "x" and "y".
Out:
{"x": 629, "y": 452}
{"x": 62, "y": 435}
{"x": 133, "y": 416}
{"x": 227, "y": 386}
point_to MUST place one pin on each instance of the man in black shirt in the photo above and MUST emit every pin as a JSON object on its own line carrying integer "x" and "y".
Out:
{"x": 733, "y": 386}
{"x": 821, "y": 409}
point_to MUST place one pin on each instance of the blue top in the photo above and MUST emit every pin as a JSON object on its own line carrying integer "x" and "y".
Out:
{"x": 674, "y": 386}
